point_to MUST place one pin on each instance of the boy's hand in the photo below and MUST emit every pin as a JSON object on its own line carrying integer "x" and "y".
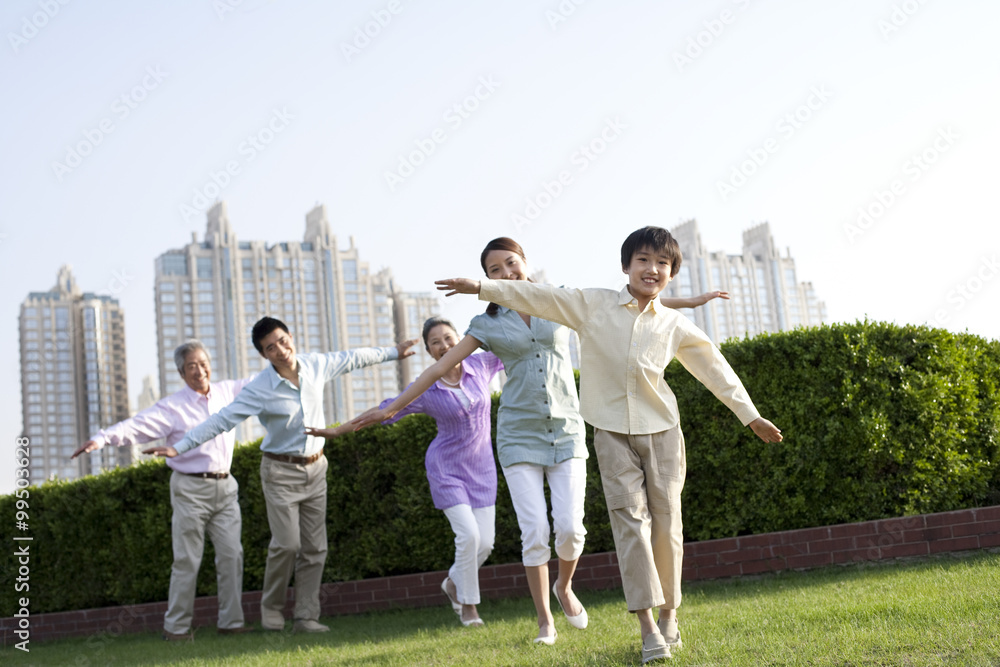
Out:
{"x": 458, "y": 286}
{"x": 329, "y": 433}
{"x": 708, "y": 296}
{"x": 405, "y": 348}
{"x": 765, "y": 430}
{"x": 169, "y": 452}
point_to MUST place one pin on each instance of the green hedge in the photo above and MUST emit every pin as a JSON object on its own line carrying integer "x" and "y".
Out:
{"x": 879, "y": 421}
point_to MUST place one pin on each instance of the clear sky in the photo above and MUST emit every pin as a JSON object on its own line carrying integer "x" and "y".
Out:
{"x": 427, "y": 128}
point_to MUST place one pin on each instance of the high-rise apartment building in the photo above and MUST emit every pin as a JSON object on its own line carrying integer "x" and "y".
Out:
{"x": 73, "y": 379}
{"x": 765, "y": 294}
{"x": 330, "y": 299}
{"x": 410, "y": 310}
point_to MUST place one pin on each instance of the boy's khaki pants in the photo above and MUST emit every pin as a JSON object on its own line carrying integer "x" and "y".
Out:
{"x": 643, "y": 476}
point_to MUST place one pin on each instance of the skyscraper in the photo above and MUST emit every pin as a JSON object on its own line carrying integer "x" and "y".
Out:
{"x": 765, "y": 294}
{"x": 329, "y": 298}
{"x": 410, "y": 310}
{"x": 73, "y": 379}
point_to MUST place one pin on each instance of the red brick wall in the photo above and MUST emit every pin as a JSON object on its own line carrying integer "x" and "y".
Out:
{"x": 789, "y": 550}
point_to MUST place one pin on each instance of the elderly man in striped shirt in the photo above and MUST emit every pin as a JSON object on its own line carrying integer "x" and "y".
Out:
{"x": 203, "y": 494}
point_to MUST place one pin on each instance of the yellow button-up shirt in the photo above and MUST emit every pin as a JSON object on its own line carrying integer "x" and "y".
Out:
{"x": 623, "y": 353}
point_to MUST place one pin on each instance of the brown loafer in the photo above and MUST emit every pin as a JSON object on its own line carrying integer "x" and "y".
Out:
{"x": 234, "y": 631}
{"x": 178, "y": 636}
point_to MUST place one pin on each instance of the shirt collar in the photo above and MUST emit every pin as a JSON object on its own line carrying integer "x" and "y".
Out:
{"x": 625, "y": 298}
{"x": 190, "y": 394}
{"x": 465, "y": 372}
{"x": 273, "y": 378}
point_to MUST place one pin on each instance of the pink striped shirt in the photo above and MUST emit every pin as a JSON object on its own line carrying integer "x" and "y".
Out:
{"x": 173, "y": 416}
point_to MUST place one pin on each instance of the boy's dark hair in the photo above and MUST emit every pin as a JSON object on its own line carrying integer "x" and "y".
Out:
{"x": 501, "y": 243}
{"x": 656, "y": 238}
{"x": 434, "y": 322}
{"x": 262, "y": 328}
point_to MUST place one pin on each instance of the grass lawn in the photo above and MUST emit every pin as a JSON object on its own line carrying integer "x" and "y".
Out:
{"x": 939, "y": 611}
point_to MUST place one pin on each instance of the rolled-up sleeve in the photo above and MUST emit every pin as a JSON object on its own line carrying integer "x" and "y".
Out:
{"x": 556, "y": 304}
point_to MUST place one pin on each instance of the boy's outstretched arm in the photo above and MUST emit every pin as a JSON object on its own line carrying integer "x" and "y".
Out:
{"x": 458, "y": 286}
{"x": 765, "y": 430}
{"x": 555, "y": 304}
{"x": 692, "y": 301}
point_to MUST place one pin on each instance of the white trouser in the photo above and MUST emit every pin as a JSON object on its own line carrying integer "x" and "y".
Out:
{"x": 474, "y": 532}
{"x": 567, "y": 486}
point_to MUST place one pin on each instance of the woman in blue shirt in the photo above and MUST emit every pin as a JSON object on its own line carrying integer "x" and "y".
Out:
{"x": 540, "y": 433}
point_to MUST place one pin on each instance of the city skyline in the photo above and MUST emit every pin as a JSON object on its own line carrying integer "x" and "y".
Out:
{"x": 324, "y": 291}
{"x": 763, "y": 285}
{"x": 863, "y": 132}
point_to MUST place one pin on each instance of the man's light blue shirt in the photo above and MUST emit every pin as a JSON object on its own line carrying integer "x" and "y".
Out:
{"x": 284, "y": 409}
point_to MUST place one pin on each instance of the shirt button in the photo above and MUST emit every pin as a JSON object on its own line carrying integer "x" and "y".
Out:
{"x": 532, "y": 340}
{"x": 548, "y": 416}
{"x": 538, "y": 355}
{"x": 546, "y": 401}
{"x": 635, "y": 344}
{"x": 539, "y": 370}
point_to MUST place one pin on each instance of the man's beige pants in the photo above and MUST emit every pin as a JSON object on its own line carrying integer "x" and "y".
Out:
{"x": 202, "y": 505}
{"x": 296, "y": 512}
{"x": 643, "y": 476}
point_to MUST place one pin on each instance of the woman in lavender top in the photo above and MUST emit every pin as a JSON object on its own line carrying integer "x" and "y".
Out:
{"x": 459, "y": 461}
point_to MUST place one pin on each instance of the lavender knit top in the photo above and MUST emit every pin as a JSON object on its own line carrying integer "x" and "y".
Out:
{"x": 459, "y": 461}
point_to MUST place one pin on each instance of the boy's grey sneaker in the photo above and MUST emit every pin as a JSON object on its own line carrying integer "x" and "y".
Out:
{"x": 668, "y": 628}
{"x": 654, "y": 647}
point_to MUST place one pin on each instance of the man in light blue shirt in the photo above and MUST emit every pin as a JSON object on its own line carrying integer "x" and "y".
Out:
{"x": 287, "y": 396}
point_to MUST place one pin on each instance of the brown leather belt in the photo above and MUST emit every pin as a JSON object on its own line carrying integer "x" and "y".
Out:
{"x": 207, "y": 475}
{"x": 297, "y": 460}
